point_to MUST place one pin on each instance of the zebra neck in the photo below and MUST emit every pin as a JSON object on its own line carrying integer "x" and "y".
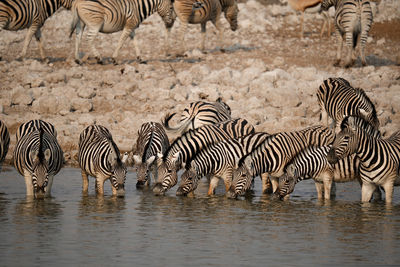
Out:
{"x": 367, "y": 150}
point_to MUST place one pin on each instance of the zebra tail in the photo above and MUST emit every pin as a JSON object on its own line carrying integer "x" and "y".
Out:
{"x": 180, "y": 128}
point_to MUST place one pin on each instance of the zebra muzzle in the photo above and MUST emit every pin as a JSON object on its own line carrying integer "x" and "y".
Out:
{"x": 158, "y": 189}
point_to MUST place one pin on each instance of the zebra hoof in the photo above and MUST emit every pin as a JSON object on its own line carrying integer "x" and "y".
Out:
{"x": 78, "y": 61}
{"x": 114, "y": 61}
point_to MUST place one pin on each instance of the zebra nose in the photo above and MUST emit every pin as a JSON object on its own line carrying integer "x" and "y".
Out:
{"x": 180, "y": 192}
{"x": 332, "y": 159}
{"x": 158, "y": 189}
{"x": 231, "y": 193}
{"x": 140, "y": 184}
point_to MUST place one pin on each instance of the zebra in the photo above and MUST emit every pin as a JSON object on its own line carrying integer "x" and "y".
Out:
{"x": 202, "y": 11}
{"x": 217, "y": 160}
{"x": 199, "y": 113}
{"x": 21, "y": 14}
{"x": 379, "y": 158}
{"x": 108, "y": 16}
{"x": 4, "y": 142}
{"x": 37, "y": 156}
{"x": 187, "y": 145}
{"x": 353, "y": 18}
{"x": 274, "y": 154}
{"x": 338, "y": 99}
{"x": 98, "y": 156}
{"x": 152, "y": 139}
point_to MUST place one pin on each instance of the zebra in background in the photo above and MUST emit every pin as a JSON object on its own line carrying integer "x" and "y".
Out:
{"x": 274, "y": 154}
{"x": 98, "y": 156}
{"x": 353, "y": 18}
{"x": 37, "y": 156}
{"x": 21, "y": 14}
{"x": 199, "y": 113}
{"x": 187, "y": 145}
{"x": 4, "y": 142}
{"x": 108, "y": 16}
{"x": 379, "y": 158}
{"x": 338, "y": 99}
{"x": 217, "y": 160}
{"x": 151, "y": 141}
{"x": 202, "y": 11}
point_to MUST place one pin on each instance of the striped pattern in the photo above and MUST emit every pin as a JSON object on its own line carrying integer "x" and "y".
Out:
{"x": 37, "y": 156}
{"x": 186, "y": 146}
{"x": 198, "y": 114}
{"x": 98, "y": 156}
{"x": 338, "y": 99}
{"x": 353, "y": 20}
{"x": 108, "y": 16}
{"x": 218, "y": 160}
{"x": 313, "y": 163}
{"x": 274, "y": 154}
{"x": 151, "y": 141}
{"x": 379, "y": 158}
{"x": 4, "y": 142}
{"x": 21, "y": 14}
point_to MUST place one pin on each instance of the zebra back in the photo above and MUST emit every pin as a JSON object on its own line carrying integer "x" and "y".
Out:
{"x": 35, "y": 125}
{"x": 4, "y": 141}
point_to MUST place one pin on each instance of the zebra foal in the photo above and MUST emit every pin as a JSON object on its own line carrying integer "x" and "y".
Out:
{"x": 37, "y": 156}
{"x": 21, "y": 14}
{"x": 4, "y": 142}
{"x": 152, "y": 140}
{"x": 108, "y": 16}
{"x": 98, "y": 156}
{"x": 202, "y": 11}
{"x": 353, "y": 19}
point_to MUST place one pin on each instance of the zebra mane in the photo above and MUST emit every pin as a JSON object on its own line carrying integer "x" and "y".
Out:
{"x": 177, "y": 140}
{"x": 360, "y": 123}
{"x": 40, "y": 149}
{"x": 146, "y": 147}
{"x": 362, "y": 93}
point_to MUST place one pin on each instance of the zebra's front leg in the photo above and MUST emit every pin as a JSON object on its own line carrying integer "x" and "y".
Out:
{"x": 339, "y": 49}
{"x": 78, "y": 38}
{"x": 100, "y": 185}
{"x": 367, "y": 189}
{"x": 38, "y": 36}
{"x": 182, "y": 38}
{"x": 28, "y": 184}
{"x": 266, "y": 184}
{"x": 92, "y": 33}
{"x": 219, "y": 34}
{"x": 320, "y": 189}
{"x": 85, "y": 182}
{"x": 203, "y": 36}
{"x": 213, "y": 184}
{"x": 126, "y": 32}
{"x": 49, "y": 185}
{"x": 167, "y": 41}
{"x": 275, "y": 183}
{"x": 31, "y": 31}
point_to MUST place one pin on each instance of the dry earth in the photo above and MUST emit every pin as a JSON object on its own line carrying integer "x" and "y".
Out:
{"x": 266, "y": 74}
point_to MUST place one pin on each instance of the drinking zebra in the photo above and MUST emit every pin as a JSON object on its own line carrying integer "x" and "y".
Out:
{"x": 338, "y": 99}
{"x": 202, "y": 11}
{"x": 274, "y": 154}
{"x": 217, "y": 160}
{"x": 4, "y": 142}
{"x": 151, "y": 141}
{"x": 37, "y": 156}
{"x": 98, "y": 156}
{"x": 21, "y": 14}
{"x": 187, "y": 145}
{"x": 108, "y": 16}
{"x": 379, "y": 158}
{"x": 353, "y": 18}
{"x": 199, "y": 113}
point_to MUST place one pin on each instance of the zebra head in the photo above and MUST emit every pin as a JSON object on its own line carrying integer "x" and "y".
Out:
{"x": 40, "y": 173}
{"x": 167, "y": 173}
{"x": 142, "y": 170}
{"x": 242, "y": 178}
{"x": 118, "y": 173}
{"x": 326, "y": 4}
{"x": 189, "y": 182}
{"x": 167, "y": 12}
{"x": 286, "y": 185}
{"x": 231, "y": 14}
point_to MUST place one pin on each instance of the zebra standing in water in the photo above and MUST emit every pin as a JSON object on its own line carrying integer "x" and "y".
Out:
{"x": 198, "y": 114}
{"x": 151, "y": 141}
{"x": 353, "y": 18}
{"x": 4, "y": 142}
{"x": 21, "y": 14}
{"x": 217, "y": 160}
{"x": 379, "y": 158}
{"x": 99, "y": 157}
{"x": 274, "y": 154}
{"x": 338, "y": 99}
{"x": 37, "y": 156}
{"x": 186, "y": 146}
{"x": 201, "y": 11}
{"x": 108, "y": 16}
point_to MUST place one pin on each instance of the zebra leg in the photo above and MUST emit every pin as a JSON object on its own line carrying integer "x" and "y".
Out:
{"x": 80, "y": 27}
{"x": 388, "y": 187}
{"x": 85, "y": 182}
{"x": 339, "y": 49}
{"x": 38, "y": 36}
{"x": 219, "y": 34}
{"x": 367, "y": 189}
{"x": 363, "y": 40}
{"x": 349, "y": 44}
{"x": 126, "y": 32}
{"x": 320, "y": 189}
{"x": 203, "y": 35}
{"x": 213, "y": 184}
{"x": 28, "y": 183}
{"x": 92, "y": 33}
{"x": 100, "y": 185}
{"x": 49, "y": 186}
{"x": 167, "y": 41}
{"x": 31, "y": 31}
{"x": 182, "y": 38}
{"x": 266, "y": 184}
{"x": 327, "y": 183}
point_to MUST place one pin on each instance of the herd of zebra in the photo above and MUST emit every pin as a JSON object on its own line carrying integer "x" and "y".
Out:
{"x": 353, "y": 19}
{"x": 212, "y": 144}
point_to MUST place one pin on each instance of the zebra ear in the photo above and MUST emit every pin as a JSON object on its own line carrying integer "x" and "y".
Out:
{"x": 125, "y": 157}
{"x": 136, "y": 159}
{"x": 47, "y": 154}
{"x": 150, "y": 160}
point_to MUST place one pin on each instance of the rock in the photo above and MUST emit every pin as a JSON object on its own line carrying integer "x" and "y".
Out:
{"x": 21, "y": 96}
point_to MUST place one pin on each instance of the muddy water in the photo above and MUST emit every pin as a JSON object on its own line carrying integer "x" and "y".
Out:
{"x": 146, "y": 230}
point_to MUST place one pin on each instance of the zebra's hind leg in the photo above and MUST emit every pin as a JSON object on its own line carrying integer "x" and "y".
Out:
{"x": 92, "y": 33}
{"x": 38, "y": 36}
{"x": 100, "y": 185}
{"x": 85, "y": 182}
{"x": 203, "y": 35}
{"x": 80, "y": 27}
{"x": 183, "y": 30}
{"x": 367, "y": 189}
{"x": 213, "y": 184}
{"x": 28, "y": 184}
{"x": 350, "y": 49}
{"x": 49, "y": 186}
{"x": 339, "y": 50}
{"x": 320, "y": 189}
{"x": 266, "y": 184}
{"x": 31, "y": 31}
{"x": 126, "y": 32}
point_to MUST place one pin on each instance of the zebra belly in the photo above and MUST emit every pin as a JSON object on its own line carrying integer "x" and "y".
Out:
{"x": 108, "y": 27}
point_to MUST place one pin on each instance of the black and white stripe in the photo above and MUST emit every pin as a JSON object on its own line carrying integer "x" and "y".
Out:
{"x": 4, "y": 142}
{"x": 108, "y": 16}
{"x": 186, "y": 146}
{"x": 218, "y": 160}
{"x": 99, "y": 156}
{"x": 37, "y": 156}
{"x": 379, "y": 158}
{"x": 21, "y": 14}
{"x": 353, "y": 20}
{"x": 152, "y": 140}
{"x": 338, "y": 99}
{"x": 199, "y": 113}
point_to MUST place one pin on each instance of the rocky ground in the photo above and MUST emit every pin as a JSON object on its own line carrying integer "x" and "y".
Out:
{"x": 267, "y": 74}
